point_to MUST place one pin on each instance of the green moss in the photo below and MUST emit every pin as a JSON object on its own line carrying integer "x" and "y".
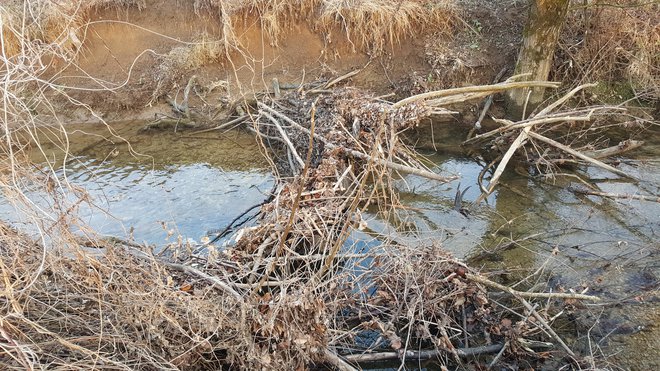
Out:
{"x": 613, "y": 91}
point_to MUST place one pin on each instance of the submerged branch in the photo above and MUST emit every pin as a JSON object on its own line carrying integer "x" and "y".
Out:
{"x": 435, "y": 353}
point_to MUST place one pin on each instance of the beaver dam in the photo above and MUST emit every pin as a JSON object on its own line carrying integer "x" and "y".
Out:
{"x": 293, "y": 184}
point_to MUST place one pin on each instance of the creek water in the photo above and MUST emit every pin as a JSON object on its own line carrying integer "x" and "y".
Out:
{"x": 168, "y": 184}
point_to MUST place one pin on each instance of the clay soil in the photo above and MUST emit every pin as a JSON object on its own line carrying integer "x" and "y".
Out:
{"x": 131, "y": 50}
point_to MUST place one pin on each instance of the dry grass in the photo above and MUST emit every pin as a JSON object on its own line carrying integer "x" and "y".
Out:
{"x": 613, "y": 41}
{"x": 370, "y": 24}
{"x": 373, "y": 25}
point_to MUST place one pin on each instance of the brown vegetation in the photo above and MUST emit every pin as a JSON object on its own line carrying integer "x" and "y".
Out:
{"x": 616, "y": 42}
{"x": 289, "y": 292}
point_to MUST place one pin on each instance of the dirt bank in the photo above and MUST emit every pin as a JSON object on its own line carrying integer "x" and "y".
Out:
{"x": 130, "y": 58}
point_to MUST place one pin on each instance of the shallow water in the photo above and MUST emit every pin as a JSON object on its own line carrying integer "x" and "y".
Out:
{"x": 167, "y": 184}
{"x": 163, "y": 184}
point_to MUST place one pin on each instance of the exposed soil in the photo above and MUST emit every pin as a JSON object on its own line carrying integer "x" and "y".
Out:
{"x": 132, "y": 50}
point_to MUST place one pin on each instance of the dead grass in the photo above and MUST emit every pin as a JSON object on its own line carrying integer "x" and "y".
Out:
{"x": 613, "y": 41}
{"x": 373, "y": 25}
{"x": 370, "y": 24}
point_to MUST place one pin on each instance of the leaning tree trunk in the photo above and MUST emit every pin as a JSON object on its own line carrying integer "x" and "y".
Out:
{"x": 540, "y": 40}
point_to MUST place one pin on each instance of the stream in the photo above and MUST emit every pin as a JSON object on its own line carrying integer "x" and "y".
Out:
{"x": 168, "y": 184}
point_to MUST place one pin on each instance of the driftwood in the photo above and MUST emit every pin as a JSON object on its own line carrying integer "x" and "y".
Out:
{"x": 435, "y": 353}
{"x": 623, "y": 147}
{"x": 527, "y": 129}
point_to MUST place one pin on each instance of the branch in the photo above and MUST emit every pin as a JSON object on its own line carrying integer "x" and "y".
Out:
{"x": 429, "y": 354}
{"x": 474, "y": 89}
{"x": 551, "y": 295}
{"x": 579, "y": 155}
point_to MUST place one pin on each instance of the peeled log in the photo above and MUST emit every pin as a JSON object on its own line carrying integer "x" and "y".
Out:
{"x": 546, "y": 18}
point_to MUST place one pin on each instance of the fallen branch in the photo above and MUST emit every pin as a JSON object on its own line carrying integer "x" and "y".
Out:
{"x": 336, "y": 361}
{"x": 579, "y": 155}
{"x": 623, "y": 147}
{"x": 549, "y": 295}
{"x": 435, "y": 353}
{"x": 488, "y": 89}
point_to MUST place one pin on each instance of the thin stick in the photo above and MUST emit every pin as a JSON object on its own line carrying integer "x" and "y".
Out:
{"x": 191, "y": 270}
{"x": 580, "y": 155}
{"x": 222, "y": 126}
{"x": 489, "y": 101}
{"x": 292, "y": 148}
{"x": 548, "y": 295}
{"x": 622, "y": 147}
{"x": 563, "y": 99}
{"x": 336, "y": 361}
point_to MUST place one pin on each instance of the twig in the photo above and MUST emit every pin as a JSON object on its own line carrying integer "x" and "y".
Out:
{"x": 580, "y": 155}
{"x": 188, "y": 269}
{"x": 499, "y": 355}
{"x": 336, "y": 361}
{"x": 550, "y": 295}
{"x": 344, "y": 77}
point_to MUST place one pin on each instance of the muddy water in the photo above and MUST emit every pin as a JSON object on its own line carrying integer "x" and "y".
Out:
{"x": 197, "y": 183}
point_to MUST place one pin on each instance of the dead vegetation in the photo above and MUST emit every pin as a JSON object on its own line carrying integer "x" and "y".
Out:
{"x": 616, "y": 42}
{"x": 289, "y": 292}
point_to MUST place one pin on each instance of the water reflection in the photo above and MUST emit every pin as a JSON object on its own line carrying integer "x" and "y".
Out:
{"x": 161, "y": 182}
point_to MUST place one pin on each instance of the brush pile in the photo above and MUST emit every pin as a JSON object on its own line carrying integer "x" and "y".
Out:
{"x": 301, "y": 287}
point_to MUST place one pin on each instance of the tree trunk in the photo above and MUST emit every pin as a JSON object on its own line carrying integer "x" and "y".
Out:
{"x": 539, "y": 42}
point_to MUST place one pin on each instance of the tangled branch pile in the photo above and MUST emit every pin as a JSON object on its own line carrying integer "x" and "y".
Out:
{"x": 289, "y": 292}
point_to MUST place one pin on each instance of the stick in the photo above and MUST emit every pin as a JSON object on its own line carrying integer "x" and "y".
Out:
{"x": 520, "y": 140}
{"x": 344, "y": 77}
{"x": 622, "y": 147}
{"x": 520, "y": 296}
{"x": 286, "y": 138}
{"x": 363, "y": 156}
{"x": 222, "y": 126}
{"x": 429, "y": 354}
{"x": 580, "y": 155}
{"x": 489, "y": 101}
{"x": 475, "y": 89}
{"x": 550, "y": 295}
{"x": 188, "y": 269}
{"x": 336, "y": 361}
{"x": 563, "y": 99}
